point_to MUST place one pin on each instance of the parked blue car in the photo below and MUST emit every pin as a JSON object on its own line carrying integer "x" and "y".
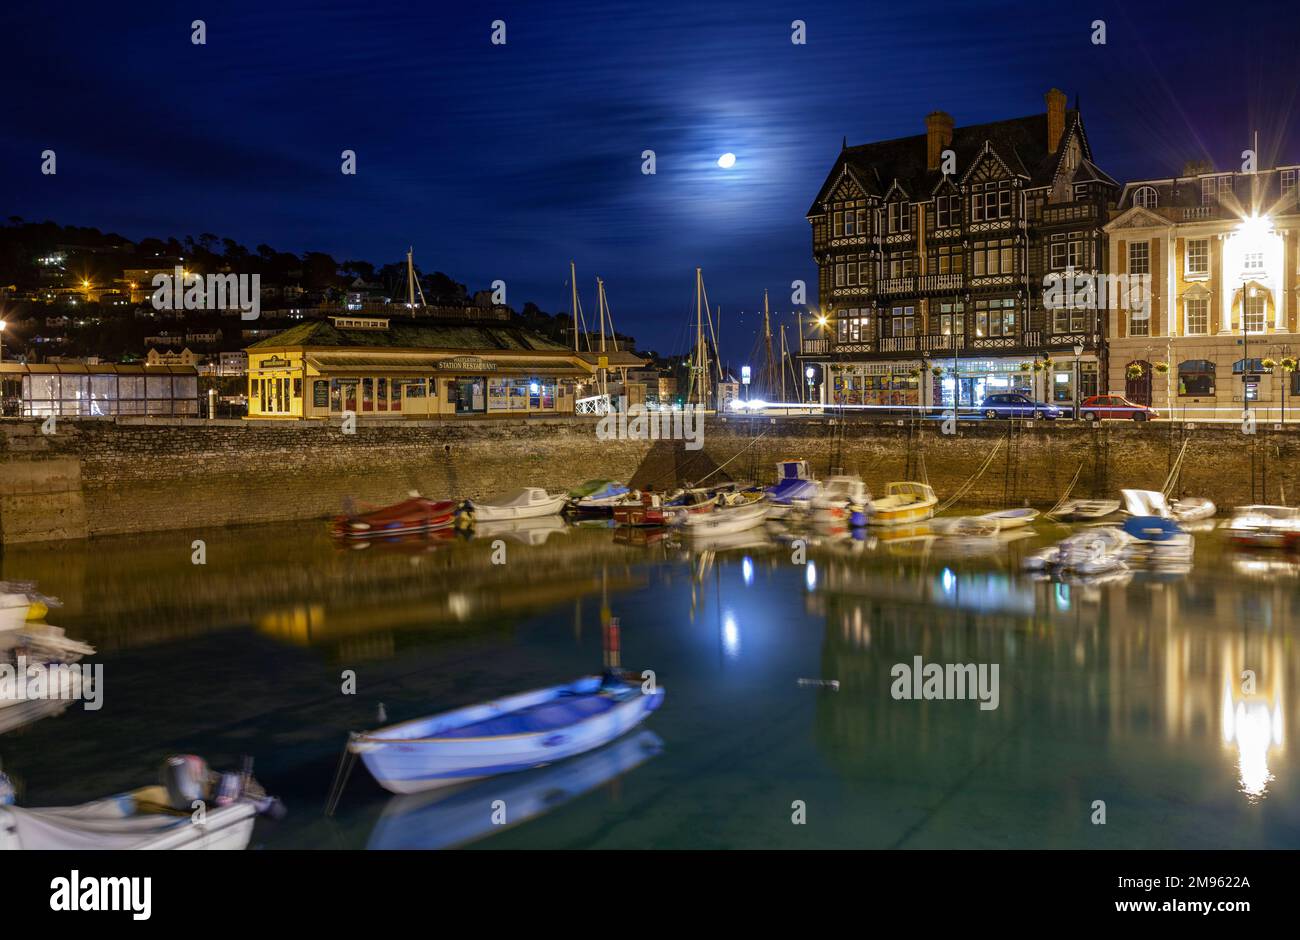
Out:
{"x": 1015, "y": 405}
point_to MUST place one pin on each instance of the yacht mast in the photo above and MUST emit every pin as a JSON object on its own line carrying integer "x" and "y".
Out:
{"x": 573, "y": 282}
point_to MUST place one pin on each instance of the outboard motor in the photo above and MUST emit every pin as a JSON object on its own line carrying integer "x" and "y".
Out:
{"x": 7, "y": 794}
{"x": 185, "y": 777}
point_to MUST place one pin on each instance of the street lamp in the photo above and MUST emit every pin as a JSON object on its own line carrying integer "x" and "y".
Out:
{"x": 809, "y": 373}
{"x": 2, "y": 340}
{"x": 1078, "y": 351}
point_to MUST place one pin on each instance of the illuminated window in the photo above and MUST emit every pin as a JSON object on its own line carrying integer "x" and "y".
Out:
{"x": 900, "y": 217}
{"x": 1196, "y": 377}
{"x": 1253, "y": 261}
{"x": 1198, "y": 256}
{"x": 1196, "y": 311}
{"x": 1252, "y": 313}
{"x": 995, "y": 317}
{"x": 903, "y": 321}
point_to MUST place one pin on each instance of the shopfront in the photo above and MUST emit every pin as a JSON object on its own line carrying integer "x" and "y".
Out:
{"x": 876, "y": 385}
{"x": 321, "y": 371}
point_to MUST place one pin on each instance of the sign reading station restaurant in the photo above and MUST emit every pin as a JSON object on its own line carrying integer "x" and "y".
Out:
{"x": 467, "y": 364}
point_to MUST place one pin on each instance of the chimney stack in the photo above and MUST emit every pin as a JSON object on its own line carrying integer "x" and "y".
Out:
{"x": 1055, "y": 118}
{"x": 938, "y": 137}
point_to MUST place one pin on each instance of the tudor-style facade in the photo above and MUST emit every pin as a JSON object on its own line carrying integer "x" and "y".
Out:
{"x": 931, "y": 283}
{"x": 1223, "y": 251}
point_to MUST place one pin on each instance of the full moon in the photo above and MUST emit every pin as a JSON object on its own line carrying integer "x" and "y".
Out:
{"x": 727, "y": 161}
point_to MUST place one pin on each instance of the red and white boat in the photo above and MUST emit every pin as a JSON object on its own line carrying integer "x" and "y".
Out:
{"x": 416, "y": 514}
{"x": 652, "y": 509}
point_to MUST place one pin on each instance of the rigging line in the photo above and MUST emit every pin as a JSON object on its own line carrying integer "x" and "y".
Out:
{"x": 1066, "y": 495}
{"x": 961, "y": 490}
{"x": 733, "y": 457}
{"x": 1176, "y": 470}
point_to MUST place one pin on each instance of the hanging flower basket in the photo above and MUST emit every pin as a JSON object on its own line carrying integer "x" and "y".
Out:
{"x": 914, "y": 371}
{"x": 1039, "y": 367}
{"x": 936, "y": 371}
{"x": 1289, "y": 364}
{"x": 1026, "y": 366}
{"x": 1162, "y": 368}
{"x": 1047, "y": 362}
{"x": 1268, "y": 363}
{"x": 1134, "y": 371}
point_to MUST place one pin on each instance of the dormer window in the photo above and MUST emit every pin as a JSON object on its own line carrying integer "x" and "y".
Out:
{"x": 1146, "y": 197}
{"x": 947, "y": 211}
{"x": 991, "y": 201}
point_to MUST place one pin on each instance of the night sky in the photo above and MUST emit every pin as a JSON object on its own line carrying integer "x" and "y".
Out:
{"x": 505, "y": 162}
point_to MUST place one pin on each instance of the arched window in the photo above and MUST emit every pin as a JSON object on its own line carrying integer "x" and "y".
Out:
{"x": 1196, "y": 377}
{"x": 1146, "y": 197}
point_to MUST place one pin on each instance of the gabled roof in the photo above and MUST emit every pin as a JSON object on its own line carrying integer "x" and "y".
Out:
{"x": 1020, "y": 143}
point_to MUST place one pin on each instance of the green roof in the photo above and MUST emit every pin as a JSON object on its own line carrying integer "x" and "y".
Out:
{"x": 486, "y": 336}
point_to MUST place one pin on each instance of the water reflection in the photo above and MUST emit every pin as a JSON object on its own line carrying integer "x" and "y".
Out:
{"x": 1128, "y": 690}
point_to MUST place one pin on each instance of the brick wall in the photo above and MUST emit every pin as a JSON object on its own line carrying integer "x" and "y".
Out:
{"x": 98, "y": 478}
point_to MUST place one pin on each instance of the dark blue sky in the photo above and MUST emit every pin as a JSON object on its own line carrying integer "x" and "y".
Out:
{"x": 505, "y": 162}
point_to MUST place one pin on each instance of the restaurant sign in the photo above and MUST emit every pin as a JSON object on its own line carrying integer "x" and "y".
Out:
{"x": 467, "y": 364}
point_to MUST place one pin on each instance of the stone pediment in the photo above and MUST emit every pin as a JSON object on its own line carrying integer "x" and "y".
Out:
{"x": 1136, "y": 217}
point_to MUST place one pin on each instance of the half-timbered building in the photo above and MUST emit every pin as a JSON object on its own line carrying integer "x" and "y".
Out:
{"x": 932, "y": 253}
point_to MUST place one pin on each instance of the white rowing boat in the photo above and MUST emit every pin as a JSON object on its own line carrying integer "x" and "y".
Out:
{"x": 1012, "y": 518}
{"x": 726, "y": 520}
{"x": 1087, "y": 508}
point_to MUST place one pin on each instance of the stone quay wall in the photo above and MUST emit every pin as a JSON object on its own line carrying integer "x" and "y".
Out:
{"x": 100, "y": 477}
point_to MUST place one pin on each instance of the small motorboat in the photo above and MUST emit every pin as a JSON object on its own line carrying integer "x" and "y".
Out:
{"x": 416, "y": 514}
{"x": 651, "y": 509}
{"x": 506, "y": 735}
{"x": 442, "y": 819}
{"x": 1265, "y": 526}
{"x": 1192, "y": 508}
{"x": 726, "y": 520}
{"x": 596, "y": 497}
{"x": 1011, "y": 518}
{"x": 794, "y": 489}
{"x": 38, "y": 605}
{"x": 526, "y": 502}
{"x": 902, "y": 504}
{"x": 843, "y": 499}
{"x": 156, "y": 817}
{"x": 1087, "y": 508}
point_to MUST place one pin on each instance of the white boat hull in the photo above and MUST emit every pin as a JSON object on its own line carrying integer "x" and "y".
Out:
{"x": 486, "y": 513}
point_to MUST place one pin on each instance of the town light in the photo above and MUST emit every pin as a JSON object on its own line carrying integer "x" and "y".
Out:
{"x": 1254, "y": 229}
{"x": 808, "y": 372}
{"x": 822, "y": 321}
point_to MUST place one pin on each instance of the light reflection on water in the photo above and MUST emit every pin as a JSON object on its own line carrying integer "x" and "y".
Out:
{"x": 1129, "y": 691}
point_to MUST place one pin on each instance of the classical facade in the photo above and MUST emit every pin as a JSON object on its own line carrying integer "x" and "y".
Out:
{"x": 1220, "y": 332}
{"x": 932, "y": 254}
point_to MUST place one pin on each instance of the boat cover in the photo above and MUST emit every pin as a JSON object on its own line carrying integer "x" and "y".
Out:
{"x": 106, "y": 824}
{"x": 1151, "y": 528}
{"x": 792, "y": 488}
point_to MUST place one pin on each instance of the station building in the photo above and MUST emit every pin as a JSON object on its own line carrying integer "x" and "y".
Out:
{"x": 377, "y": 367}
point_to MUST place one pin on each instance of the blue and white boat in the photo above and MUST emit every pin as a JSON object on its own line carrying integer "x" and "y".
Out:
{"x": 504, "y": 736}
{"x": 795, "y": 488}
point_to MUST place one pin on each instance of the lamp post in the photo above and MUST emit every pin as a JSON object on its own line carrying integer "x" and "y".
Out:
{"x": 2, "y": 340}
{"x": 1078, "y": 352}
{"x": 808, "y": 374}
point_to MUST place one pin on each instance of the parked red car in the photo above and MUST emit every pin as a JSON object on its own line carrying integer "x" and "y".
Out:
{"x": 1115, "y": 406}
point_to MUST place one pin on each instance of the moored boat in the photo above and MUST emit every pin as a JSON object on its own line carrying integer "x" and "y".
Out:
{"x": 154, "y": 817}
{"x": 650, "y": 509}
{"x": 725, "y": 520}
{"x": 795, "y": 487}
{"x": 596, "y": 497}
{"x": 526, "y": 502}
{"x": 965, "y": 527}
{"x": 903, "y": 504}
{"x": 1091, "y": 551}
{"x": 1011, "y": 518}
{"x": 1265, "y": 526}
{"x": 504, "y": 736}
{"x": 1157, "y": 541}
{"x": 842, "y": 499}
{"x": 1087, "y": 508}
{"x": 416, "y": 514}
{"x": 1152, "y": 503}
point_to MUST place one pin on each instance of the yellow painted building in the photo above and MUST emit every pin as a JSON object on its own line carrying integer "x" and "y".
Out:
{"x": 375, "y": 367}
{"x": 1222, "y": 253}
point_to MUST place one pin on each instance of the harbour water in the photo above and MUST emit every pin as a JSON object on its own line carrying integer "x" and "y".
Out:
{"x": 1127, "y": 693}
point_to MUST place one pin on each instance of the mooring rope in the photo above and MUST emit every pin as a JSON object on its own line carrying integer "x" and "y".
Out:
{"x": 1177, "y": 468}
{"x": 1068, "y": 490}
{"x": 961, "y": 490}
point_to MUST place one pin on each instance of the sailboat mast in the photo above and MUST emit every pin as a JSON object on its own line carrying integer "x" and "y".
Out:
{"x": 600, "y": 300}
{"x": 573, "y": 282}
{"x": 410, "y": 279}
